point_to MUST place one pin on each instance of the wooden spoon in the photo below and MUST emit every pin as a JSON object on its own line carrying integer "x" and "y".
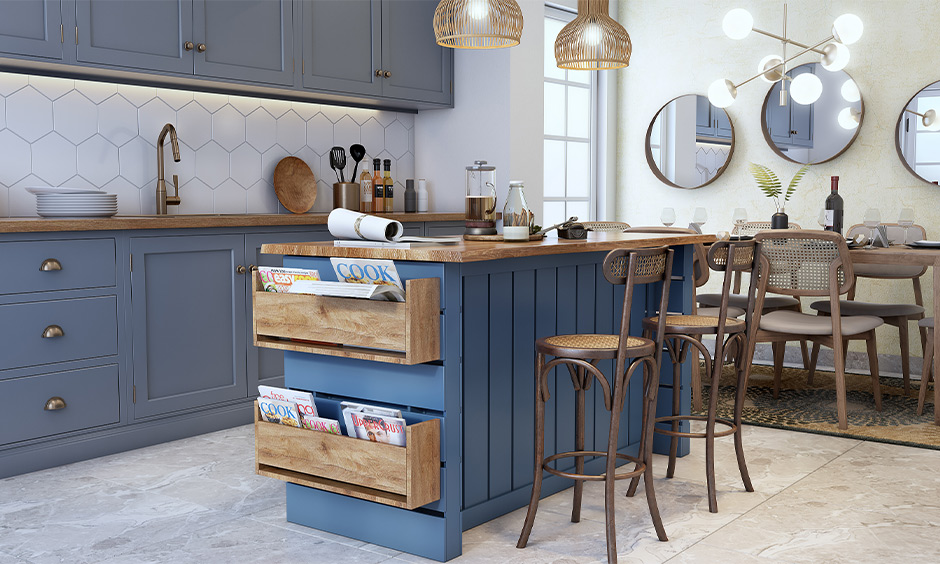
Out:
{"x": 294, "y": 185}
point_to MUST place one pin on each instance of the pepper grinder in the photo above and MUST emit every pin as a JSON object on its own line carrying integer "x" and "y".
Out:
{"x": 422, "y": 195}
{"x": 411, "y": 197}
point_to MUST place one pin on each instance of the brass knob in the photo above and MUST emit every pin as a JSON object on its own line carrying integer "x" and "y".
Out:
{"x": 188, "y": 45}
{"x": 240, "y": 269}
{"x": 201, "y": 47}
{"x": 53, "y": 331}
{"x": 378, "y": 72}
{"x": 793, "y": 132}
{"x": 252, "y": 268}
{"x": 50, "y": 264}
{"x": 54, "y": 403}
{"x": 388, "y": 74}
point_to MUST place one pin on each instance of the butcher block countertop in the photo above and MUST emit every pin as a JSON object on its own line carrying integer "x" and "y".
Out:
{"x": 473, "y": 251}
{"x": 119, "y": 222}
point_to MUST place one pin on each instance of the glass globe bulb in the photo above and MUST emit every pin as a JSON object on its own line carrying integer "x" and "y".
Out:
{"x": 835, "y": 57}
{"x": 767, "y": 62}
{"x": 479, "y": 9}
{"x": 722, "y": 93}
{"x": 738, "y": 23}
{"x": 849, "y": 118}
{"x": 806, "y": 89}
{"x": 850, "y": 91}
{"x": 592, "y": 34}
{"x": 848, "y": 29}
{"x": 931, "y": 123}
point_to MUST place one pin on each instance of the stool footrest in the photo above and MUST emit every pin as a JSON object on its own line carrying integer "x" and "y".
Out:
{"x": 691, "y": 435}
{"x": 638, "y": 470}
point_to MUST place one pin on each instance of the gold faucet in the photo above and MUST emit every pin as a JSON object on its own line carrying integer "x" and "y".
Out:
{"x": 162, "y": 199}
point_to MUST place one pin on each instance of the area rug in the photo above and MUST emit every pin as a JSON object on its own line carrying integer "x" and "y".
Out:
{"x": 801, "y": 407}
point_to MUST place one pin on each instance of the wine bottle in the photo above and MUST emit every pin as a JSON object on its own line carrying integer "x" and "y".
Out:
{"x": 834, "y": 208}
{"x": 389, "y": 183}
{"x": 378, "y": 202}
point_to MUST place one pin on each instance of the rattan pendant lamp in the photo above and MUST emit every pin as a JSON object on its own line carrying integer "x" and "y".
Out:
{"x": 478, "y": 24}
{"x": 593, "y": 40}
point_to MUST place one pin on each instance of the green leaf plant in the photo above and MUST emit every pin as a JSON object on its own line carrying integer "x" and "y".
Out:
{"x": 770, "y": 185}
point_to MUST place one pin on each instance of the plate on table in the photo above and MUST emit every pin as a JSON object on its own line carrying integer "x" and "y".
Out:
{"x": 923, "y": 244}
{"x": 60, "y": 190}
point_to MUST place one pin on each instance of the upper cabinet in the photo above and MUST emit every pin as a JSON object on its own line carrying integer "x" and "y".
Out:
{"x": 249, "y": 40}
{"x": 375, "y": 48}
{"x": 32, "y": 29}
{"x": 791, "y": 124}
{"x": 711, "y": 121}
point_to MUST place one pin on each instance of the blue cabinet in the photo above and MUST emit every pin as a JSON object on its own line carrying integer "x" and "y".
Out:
{"x": 32, "y": 29}
{"x": 790, "y": 125}
{"x": 710, "y": 121}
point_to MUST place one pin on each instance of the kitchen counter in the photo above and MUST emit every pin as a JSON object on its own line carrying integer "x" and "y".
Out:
{"x": 134, "y": 222}
{"x": 474, "y": 251}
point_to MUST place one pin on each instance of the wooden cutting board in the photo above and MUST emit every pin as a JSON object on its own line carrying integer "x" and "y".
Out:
{"x": 294, "y": 185}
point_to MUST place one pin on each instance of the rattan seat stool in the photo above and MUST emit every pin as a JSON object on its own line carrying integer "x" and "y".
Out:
{"x": 684, "y": 333}
{"x": 579, "y": 354}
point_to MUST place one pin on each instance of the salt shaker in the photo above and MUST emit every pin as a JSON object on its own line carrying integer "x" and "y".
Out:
{"x": 422, "y": 195}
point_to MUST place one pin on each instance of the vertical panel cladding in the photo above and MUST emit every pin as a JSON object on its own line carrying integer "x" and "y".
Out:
{"x": 566, "y": 324}
{"x": 475, "y": 387}
{"x": 643, "y": 305}
{"x": 586, "y": 316}
{"x": 523, "y": 377}
{"x": 680, "y": 301}
{"x": 501, "y": 319}
{"x": 546, "y": 304}
{"x": 604, "y": 322}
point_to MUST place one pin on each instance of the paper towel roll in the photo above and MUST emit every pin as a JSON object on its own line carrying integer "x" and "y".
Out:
{"x": 347, "y": 224}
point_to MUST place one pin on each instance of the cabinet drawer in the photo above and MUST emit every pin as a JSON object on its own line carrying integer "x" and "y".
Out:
{"x": 406, "y": 477}
{"x": 89, "y": 398}
{"x": 39, "y": 266}
{"x": 57, "y": 331}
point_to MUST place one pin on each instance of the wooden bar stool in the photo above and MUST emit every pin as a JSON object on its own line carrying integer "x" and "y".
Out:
{"x": 925, "y": 379}
{"x": 579, "y": 354}
{"x": 684, "y": 332}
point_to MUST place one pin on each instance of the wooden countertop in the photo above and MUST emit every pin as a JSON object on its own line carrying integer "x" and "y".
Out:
{"x": 119, "y": 222}
{"x": 472, "y": 251}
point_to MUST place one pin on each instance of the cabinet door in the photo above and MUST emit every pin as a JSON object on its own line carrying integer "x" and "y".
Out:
{"x": 801, "y": 117}
{"x": 140, "y": 35}
{"x": 420, "y": 68}
{"x": 722, "y": 124}
{"x": 704, "y": 124}
{"x": 341, "y": 42}
{"x": 266, "y": 366}
{"x": 223, "y": 27}
{"x": 188, "y": 322}
{"x": 31, "y": 28}
{"x": 778, "y": 117}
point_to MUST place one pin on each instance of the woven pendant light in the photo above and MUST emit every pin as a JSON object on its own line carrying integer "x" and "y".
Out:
{"x": 593, "y": 40}
{"x": 478, "y": 24}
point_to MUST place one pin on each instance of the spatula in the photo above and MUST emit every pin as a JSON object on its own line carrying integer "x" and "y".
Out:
{"x": 338, "y": 162}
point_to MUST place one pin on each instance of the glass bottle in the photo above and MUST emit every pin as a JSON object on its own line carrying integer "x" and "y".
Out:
{"x": 365, "y": 185}
{"x": 834, "y": 208}
{"x": 389, "y": 183}
{"x": 516, "y": 214}
{"x": 378, "y": 203}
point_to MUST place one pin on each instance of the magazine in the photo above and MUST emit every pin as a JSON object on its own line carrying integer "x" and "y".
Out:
{"x": 379, "y": 428}
{"x": 275, "y": 411}
{"x": 287, "y": 280}
{"x": 366, "y": 271}
{"x": 304, "y": 400}
{"x": 348, "y": 408}
{"x": 364, "y": 291}
{"x": 321, "y": 424}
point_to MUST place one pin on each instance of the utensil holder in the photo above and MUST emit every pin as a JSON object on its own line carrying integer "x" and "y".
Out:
{"x": 346, "y": 195}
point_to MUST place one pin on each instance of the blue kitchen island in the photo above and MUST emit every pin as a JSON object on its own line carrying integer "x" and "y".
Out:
{"x": 462, "y": 375}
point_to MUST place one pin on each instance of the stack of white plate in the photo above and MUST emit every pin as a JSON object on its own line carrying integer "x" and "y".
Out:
{"x": 73, "y": 202}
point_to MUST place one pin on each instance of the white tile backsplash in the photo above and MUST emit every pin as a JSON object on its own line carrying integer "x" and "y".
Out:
{"x": 100, "y": 135}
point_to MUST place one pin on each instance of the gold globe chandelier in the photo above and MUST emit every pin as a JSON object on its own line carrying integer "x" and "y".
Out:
{"x": 593, "y": 40}
{"x": 478, "y": 24}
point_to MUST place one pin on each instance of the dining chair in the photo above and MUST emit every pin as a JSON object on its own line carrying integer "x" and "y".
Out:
{"x": 579, "y": 353}
{"x": 896, "y": 315}
{"x": 925, "y": 378}
{"x": 605, "y": 225}
{"x": 812, "y": 263}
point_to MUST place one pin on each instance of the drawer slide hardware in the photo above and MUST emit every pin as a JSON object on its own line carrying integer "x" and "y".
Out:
{"x": 50, "y": 264}
{"x": 54, "y": 403}
{"x": 53, "y": 331}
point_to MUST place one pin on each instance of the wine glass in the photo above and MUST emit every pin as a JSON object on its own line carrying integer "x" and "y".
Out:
{"x": 668, "y": 217}
{"x": 739, "y": 218}
{"x": 699, "y": 218}
{"x": 906, "y": 220}
{"x": 871, "y": 220}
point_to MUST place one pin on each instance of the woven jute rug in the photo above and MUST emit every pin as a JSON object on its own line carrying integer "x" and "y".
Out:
{"x": 802, "y": 407}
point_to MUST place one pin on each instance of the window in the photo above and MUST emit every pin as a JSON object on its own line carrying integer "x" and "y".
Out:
{"x": 919, "y": 145}
{"x": 570, "y": 130}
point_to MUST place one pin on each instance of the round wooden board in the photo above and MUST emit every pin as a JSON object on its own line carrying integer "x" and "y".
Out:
{"x": 497, "y": 237}
{"x": 294, "y": 185}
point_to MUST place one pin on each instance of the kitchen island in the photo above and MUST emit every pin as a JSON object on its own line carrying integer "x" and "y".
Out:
{"x": 478, "y": 307}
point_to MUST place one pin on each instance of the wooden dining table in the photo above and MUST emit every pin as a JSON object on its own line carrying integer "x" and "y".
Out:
{"x": 904, "y": 255}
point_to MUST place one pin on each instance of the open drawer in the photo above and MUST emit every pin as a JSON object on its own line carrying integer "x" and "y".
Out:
{"x": 406, "y": 477}
{"x": 398, "y": 332}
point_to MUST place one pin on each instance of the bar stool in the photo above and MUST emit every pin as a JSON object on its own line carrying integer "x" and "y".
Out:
{"x": 925, "y": 379}
{"x": 579, "y": 354}
{"x": 684, "y": 332}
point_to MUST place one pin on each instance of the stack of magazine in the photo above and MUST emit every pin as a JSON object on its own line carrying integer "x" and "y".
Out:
{"x": 376, "y": 424}
{"x": 293, "y": 408}
{"x": 358, "y": 278}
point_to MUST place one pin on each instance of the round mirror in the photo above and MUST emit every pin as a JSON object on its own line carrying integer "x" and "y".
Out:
{"x": 816, "y": 118}
{"x": 689, "y": 143}
{"x": 918, "y": 134}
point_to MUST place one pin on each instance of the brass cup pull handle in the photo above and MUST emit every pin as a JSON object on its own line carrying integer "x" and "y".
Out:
{"x": 50, "y": 264}
{"x": 240, "y": 269}
{"x": 53, "y": 331}
{"x": 201, "y": 47}
{"x": 55, "y": 403}
{"x": 387, "y": 74}
{"x": 188, "y": 45}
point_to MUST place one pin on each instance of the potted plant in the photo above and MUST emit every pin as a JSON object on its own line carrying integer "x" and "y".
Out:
{"x": 770, "y": 185}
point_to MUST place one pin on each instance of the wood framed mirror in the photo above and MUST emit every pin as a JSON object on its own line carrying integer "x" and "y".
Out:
{"x": 817, "y": 132}
{"x": 689, "y": 143}
{"x": 917, "y": 135}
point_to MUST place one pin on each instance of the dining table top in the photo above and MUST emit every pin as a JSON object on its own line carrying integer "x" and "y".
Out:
{"x": 896, "y": 254}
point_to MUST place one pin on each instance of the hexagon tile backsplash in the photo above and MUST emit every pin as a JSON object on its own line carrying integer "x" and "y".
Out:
{"x": 62, "y": 132}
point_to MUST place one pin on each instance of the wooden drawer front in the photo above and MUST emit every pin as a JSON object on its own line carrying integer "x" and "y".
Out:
{"x": 88, "y": 326}
{"x": 85, "y": 263}
{"x": 90, "y": 396}
{"x": 406, "y": 477}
